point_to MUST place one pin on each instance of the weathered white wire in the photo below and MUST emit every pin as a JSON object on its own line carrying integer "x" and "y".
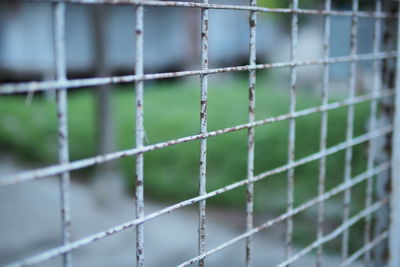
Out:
{"x": 83, "y": 163}
{"x": 324, "y": 131}
{"x": 337, "y": 232}
{"x": 364, "y": 14}
{"x": 98, "y": 236}
{"x": 366, "y": 248}
{"x": 139, "y": 132}
{"x": 62, "y": 115}
{"x": 372, "y": 125}
{"x": 34, "y": 86}
{"x": 292, "y": 128}
{"x": 295, "y": 211}
{"x": 203, "y": 130}
{"x": 350, "y": 129}
{"x": 61, "y": 84}
{"x": 251, "y": 132}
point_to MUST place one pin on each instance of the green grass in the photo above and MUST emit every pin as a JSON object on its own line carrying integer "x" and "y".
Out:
{"x": 171, "y": 111}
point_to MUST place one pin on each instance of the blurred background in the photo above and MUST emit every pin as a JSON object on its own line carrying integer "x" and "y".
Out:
{"x": 100, "y": 42}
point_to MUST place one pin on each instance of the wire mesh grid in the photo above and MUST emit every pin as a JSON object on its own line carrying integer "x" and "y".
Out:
{"x": 61, "y": 85}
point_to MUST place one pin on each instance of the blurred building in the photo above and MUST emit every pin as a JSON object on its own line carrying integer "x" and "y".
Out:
{"x": 172, "y": 39}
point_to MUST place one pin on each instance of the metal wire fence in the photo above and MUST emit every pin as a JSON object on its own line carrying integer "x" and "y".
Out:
{"x": 380, "y": 90}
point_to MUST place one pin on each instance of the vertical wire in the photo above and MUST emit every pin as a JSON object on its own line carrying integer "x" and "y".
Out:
{"x": 372, "y": 126}
{"x": 292, "y": 128}
{"x": 394, "y": 228}
{"x": 383, "y": 147}
{"x": 203, "y": 129}
{"x": 139, "y": 137}
{"x": 324, "y": 130}
{"x": 349, "y": 130}
{"x": 251, "y": 133}
{"x": 62, "y": 114}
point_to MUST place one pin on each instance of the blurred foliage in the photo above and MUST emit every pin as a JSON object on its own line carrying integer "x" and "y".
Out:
{"x": 308, "y": 3}
{"x": 171, "y": 111}
{"x": 283, "y": 4}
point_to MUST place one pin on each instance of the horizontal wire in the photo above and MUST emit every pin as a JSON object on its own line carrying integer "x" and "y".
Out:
{"x": 332, "y": 235}
{"x": 36, "y": 86}
{"x": 100, "y": 235}
{"x": 364, "y": 14}
{"x": 367, "y": 247}
{"x": 83, "y": 163}
{"x": 293, "y": 212}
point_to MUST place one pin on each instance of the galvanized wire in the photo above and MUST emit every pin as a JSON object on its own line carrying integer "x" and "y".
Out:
{"x": 337, "y": 232}
{"x": 364, "y": 14}
{"x": 61, "y": 84}
{"x": 62, "y": 115}
{"x": 350, "y": 129}
{"x": 251, "y": 133}
{"x": 31, "y": 87}
{"x": 324, "y": 131}
{"x": 316, "y": 156}
{"x": 366, "y": 248}
{"x": 372, "y": 125}
{"x": 139, "y": 132}
{"x": 292, "y": 127}
{"x": 203, "y": 129}
{"x": 297, "y": 210}
{"x": 83, "y": 163}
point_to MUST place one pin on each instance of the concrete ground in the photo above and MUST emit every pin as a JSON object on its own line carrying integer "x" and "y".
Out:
{"x": 30, "y": 223}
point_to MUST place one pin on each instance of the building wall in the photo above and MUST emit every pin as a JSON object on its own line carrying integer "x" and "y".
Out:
{"x": 172, "y": 39}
